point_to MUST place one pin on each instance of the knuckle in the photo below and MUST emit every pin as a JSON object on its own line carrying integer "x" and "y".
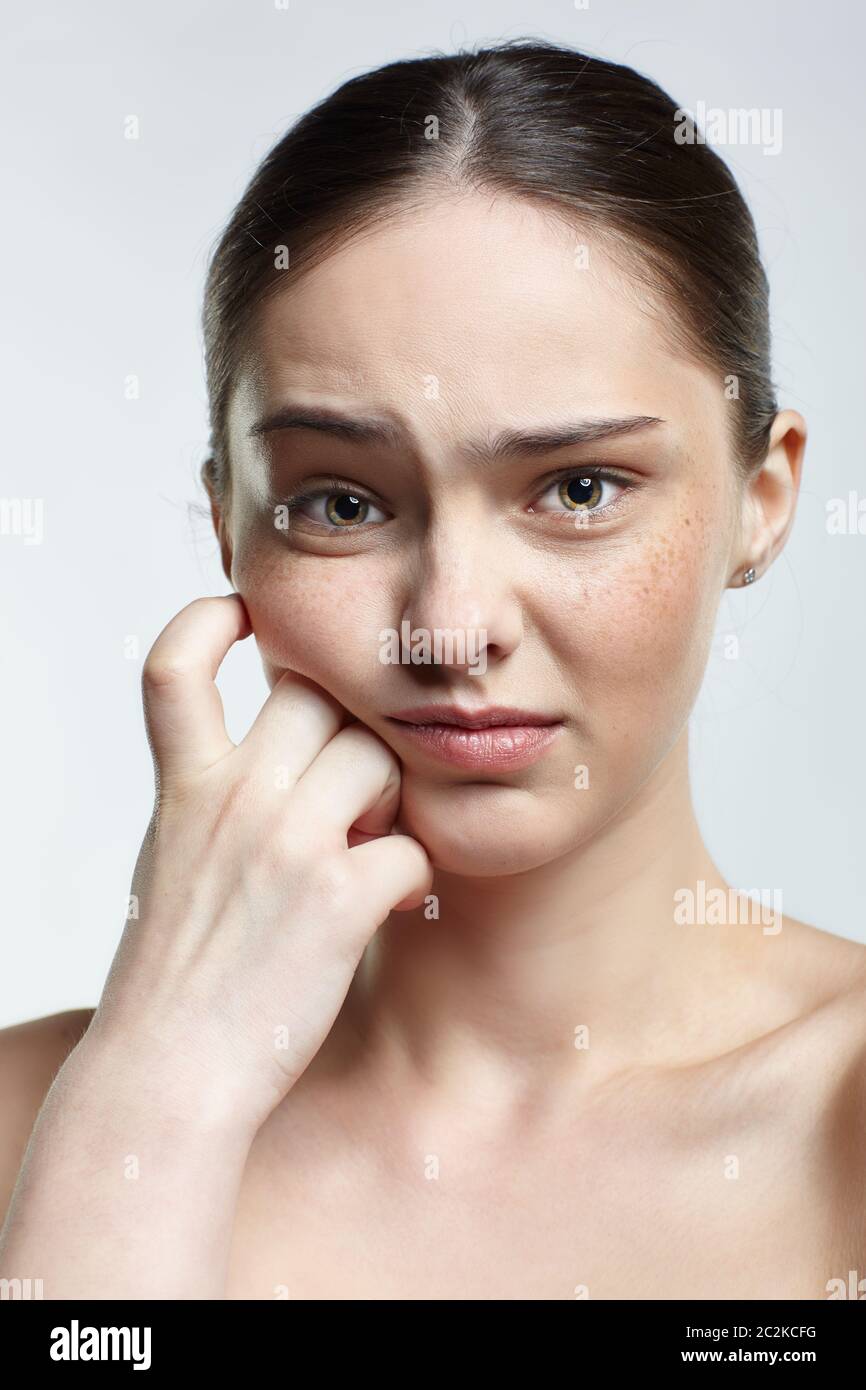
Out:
{"x": 200, "y": 604}
{"x": 332, "y": 880}
{"x": 318, "y": 877}
{"x": 280, "y": 852}
{"x": 163, "y": 670}
{"x": 362, "y": 736}
{"x": 365, "y": 746}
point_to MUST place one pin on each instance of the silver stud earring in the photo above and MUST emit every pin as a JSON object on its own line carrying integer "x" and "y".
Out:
{"x": 749, "y": 576}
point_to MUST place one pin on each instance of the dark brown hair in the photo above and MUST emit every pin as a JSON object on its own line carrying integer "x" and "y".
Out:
{"x": 596, "y": 143}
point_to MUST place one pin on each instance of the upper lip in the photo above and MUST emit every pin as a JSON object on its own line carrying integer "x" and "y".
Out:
{"x": 485, "y": 718}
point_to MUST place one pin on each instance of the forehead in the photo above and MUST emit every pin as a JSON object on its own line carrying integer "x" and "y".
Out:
{"x": 474, "y": 306}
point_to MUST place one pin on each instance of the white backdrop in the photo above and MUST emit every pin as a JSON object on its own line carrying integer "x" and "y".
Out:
{"x": 104, "y": 246}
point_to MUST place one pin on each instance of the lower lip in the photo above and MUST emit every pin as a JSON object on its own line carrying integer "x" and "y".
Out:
{"x": 505, "y": 746}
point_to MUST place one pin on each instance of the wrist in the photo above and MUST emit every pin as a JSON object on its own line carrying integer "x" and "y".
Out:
{"x": 122, "y": 1079}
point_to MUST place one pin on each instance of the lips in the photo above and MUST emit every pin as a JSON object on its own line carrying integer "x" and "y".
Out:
{"x": 495, "y": 737}
{"x": 485, "y": 718}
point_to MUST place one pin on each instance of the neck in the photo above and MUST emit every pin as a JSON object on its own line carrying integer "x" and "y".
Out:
{"x": 581, "y": 958}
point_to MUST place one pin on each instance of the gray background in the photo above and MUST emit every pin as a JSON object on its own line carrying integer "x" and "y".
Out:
{"x": 104, "y": 246}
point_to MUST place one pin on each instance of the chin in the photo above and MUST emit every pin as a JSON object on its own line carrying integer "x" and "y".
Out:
{"x": 481, "y": 829}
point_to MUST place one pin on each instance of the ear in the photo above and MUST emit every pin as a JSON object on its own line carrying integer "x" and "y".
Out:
{"x": 219, "y": 517}
{"x": 770, "y": 498}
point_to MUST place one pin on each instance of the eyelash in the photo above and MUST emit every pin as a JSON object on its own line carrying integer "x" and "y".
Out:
{"x": 329, "y": 488}
{"x": 596, "y": 473}
{"x": 339, "y": 486}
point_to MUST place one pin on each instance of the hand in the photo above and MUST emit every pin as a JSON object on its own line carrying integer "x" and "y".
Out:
{"x": 265, "y": 870}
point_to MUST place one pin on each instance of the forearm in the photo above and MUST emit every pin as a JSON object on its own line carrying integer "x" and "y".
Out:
{"x": 128, "y": 1188}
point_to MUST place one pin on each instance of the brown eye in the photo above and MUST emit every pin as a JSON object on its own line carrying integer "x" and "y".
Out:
{"x": 580, "y": 493}
{"x": 345, "y": 509}
{"x": 340, "y": 509}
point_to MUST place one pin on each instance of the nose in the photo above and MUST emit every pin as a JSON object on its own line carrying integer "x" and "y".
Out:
{"x": 461, "y": 601}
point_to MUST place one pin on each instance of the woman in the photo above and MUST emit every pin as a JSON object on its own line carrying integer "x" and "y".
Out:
{"x": 430, "y": 987}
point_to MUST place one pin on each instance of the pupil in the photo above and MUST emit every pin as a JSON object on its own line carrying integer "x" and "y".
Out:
{"x": 346, "y": 506}
{"x": 580, "y": 489}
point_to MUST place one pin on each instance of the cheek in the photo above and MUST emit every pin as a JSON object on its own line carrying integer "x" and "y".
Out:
{"x": 313, "y": 615}
{"x": 636, "y": 659}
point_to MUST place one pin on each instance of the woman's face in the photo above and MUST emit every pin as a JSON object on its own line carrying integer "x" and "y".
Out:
{"x": 589, "y": 602}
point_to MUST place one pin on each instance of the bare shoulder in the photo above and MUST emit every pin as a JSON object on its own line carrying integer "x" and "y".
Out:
{"x": 31, "y": 1054}
{"x": 818, "y": 1056}
{"x": 802, "y": 991}
{"x": 827, "y": 965}
{"x": 830, "y": 1051}
{"x": 820, "y": 978}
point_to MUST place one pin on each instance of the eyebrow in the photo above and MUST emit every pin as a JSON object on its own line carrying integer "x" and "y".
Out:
{"x": 506, "y": 444}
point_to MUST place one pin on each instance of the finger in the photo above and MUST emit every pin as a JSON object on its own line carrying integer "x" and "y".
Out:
{"x": 380, "y": 818}
{"x": 396, "y": 872}
{"x": 183, "y": 712}
{"x": 347, "y": 781}
{"x": 292, "y": 727}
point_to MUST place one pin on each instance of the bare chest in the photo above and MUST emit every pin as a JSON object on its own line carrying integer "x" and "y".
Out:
{"x": 624, "y": 1212}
